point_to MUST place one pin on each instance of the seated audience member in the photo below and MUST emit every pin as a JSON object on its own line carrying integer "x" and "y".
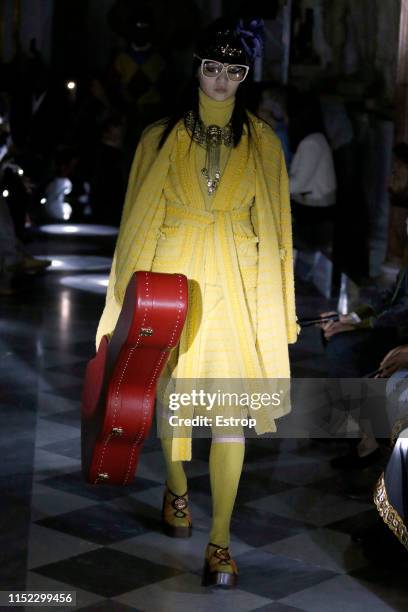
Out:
{"x": 312, "y": 176}
{"x": 357, "y": 342}
{"x": 386, "y": 541}
{"x": 356, "y": 345}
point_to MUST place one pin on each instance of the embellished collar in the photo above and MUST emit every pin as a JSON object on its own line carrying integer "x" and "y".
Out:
{"x": 211, "y": 138}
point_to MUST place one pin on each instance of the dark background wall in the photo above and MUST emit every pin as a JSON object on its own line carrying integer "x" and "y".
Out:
{"x": 70, "y": 33}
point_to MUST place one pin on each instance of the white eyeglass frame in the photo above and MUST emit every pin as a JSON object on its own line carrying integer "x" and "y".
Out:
{"x": 224, "y": 67}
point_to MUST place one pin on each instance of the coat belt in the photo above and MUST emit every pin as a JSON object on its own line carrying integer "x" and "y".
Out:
{"x": 207, "y": 227}
{"x": 202, "y": 218}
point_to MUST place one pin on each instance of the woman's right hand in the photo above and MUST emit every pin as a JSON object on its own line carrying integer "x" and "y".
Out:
{"x": 326, "y": 324}
{"x": 330, "y": 328}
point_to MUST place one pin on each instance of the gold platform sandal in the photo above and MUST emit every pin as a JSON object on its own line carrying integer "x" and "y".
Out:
{"x": 176, "y": 517}
{"x": 219, "y": 568}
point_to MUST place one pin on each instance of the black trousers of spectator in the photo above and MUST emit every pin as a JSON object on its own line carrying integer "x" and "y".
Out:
{"x": 312, "y": 226}
{"x": 359, "y": 352}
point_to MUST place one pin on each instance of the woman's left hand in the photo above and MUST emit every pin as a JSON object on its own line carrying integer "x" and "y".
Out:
{"x": 397, "y": 359}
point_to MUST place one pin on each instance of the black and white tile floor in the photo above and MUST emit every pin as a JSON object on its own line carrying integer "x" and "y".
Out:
{"x": 291, "y": 526}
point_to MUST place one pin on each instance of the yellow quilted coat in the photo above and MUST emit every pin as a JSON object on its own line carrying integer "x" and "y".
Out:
{"x": 262, "y": 349}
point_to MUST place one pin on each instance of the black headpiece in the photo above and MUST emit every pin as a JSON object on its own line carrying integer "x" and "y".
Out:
{"x": 222, "y": 43}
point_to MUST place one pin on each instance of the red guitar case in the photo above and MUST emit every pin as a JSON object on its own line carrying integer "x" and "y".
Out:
{"x": 120, "y": 382}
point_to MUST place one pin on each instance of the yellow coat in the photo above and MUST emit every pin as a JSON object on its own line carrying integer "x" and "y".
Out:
{"x": 261, "y": 353}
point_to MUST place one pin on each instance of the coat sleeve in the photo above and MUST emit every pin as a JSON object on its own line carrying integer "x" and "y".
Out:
{"x": 137, "y": 175}
{"x": 111, "y": 310}
{"x": 113, "y": 307}
{"x": 286, "y": 253}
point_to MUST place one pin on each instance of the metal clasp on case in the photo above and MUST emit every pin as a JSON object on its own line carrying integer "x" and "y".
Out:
{"x": 146, "y": 331}
{"x": 117, "y": 432}
{"x": 102, "y": 477}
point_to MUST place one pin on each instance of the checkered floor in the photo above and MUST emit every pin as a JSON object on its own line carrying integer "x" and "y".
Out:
{"x": 291, "y": 525}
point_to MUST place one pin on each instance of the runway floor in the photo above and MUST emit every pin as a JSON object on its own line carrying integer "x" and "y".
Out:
{"x": 291, "y": 525}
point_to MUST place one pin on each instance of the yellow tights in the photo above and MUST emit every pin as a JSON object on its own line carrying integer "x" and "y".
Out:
{"x": 225, "y": 463}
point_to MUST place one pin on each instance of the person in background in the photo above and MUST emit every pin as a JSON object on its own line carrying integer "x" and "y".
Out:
{"x": 41, "y": 116}
{"x": 14, "y": 259}
{"x": 137, "y": 76}
{"x": 398, "y": 190}
{"x": 356, "y": 345}
{"x": 10, "y": 255}
{"x": 312, "y": 178}
{"x": 108, "y": 182}
{"x": 272, "y": 108}
{"x": 359, "y": 339}
{"x": 385, "y": 541}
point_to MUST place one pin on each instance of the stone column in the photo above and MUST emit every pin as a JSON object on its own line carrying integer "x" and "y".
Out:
{"x": 397, "y": 214}
{"x": 2, "y": 28}
{"x": 287, "y": 19}
{"x": 401, "y": 101}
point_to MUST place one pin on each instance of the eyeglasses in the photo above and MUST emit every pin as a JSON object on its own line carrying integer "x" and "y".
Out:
{"x": 211, "y": 68}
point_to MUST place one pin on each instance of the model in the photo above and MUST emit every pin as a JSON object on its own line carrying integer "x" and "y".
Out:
{"x": 208, "y": 197}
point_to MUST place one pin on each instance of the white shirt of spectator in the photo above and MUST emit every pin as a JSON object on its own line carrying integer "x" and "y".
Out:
{"x": 312, "y": 176}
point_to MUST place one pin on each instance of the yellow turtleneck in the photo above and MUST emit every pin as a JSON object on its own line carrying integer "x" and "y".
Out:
{"x": 215, "y": 112}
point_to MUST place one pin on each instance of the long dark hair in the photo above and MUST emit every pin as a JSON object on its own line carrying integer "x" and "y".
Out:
{"x": 189, "y": 98}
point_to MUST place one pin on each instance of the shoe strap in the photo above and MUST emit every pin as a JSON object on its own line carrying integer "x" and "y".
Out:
{"x": 218, "y": 546}
{"x": 221, "y": 556}
{"x": 221, "y": 552}
{"x": 179, "y": 503}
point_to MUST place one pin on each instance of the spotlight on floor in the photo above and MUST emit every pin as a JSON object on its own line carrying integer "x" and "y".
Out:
{"x": 62, "y": 263}
{"x": 78, "y": 230}
{"x": 92, "y": 283}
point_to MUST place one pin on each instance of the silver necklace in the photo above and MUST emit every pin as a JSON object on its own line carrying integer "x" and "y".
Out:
{"x": 211, "y": 138}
